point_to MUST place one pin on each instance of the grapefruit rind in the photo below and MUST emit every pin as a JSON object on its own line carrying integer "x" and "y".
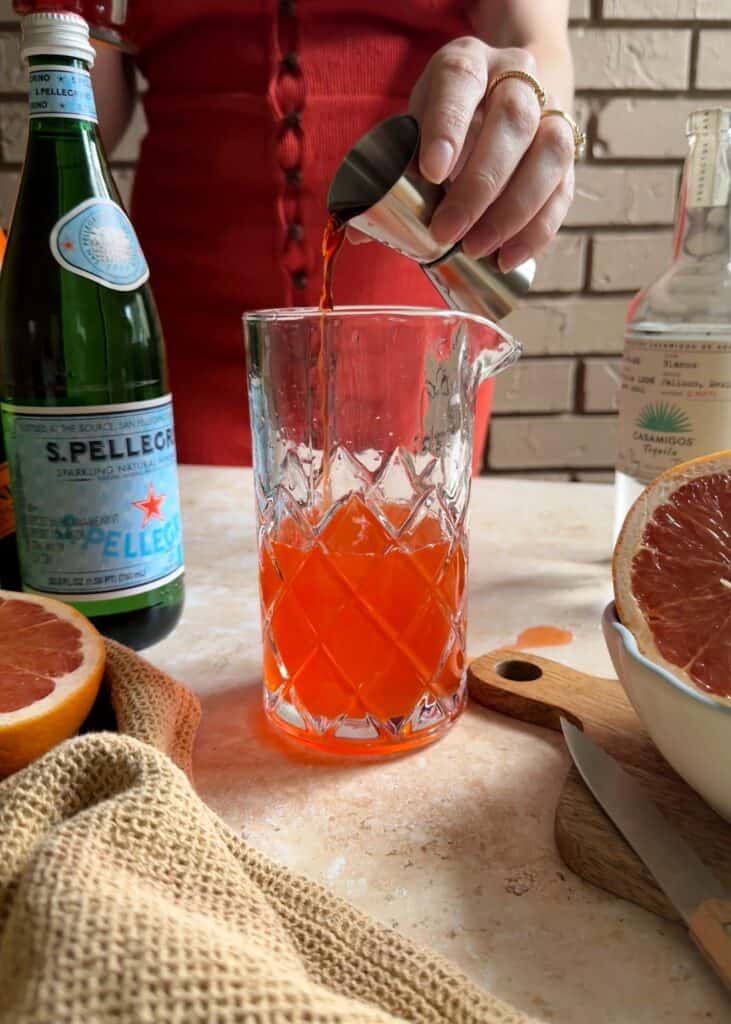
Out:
{"x": 629, "y": 542}
{"x": 28, "y": 732}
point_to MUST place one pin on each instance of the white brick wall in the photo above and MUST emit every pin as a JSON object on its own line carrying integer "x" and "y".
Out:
{"x": 571, "y": 325}
{"x": 714, "y": 68}
{"x": 580, "y": 9}
{"x": 626, "y": 260}
{"x": 643, "y": 128}
{"x": 13, "y": 130}
{"x": 640, "y": 58}
{"x": 561, "y": 268}
{"x": 599, "y": 385}
{"x": 624, "y": 195}
{"x": 637, "y": 81}
{"x": 537, "y": 442}
{"x": 537, "y": 385}
{"x": 12, "y": 71}
{"x": 666, "y": 10}
{"x": 8, "y": 190}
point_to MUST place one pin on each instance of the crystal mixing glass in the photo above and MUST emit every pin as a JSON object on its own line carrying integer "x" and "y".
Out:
{"x": 362, "y": 423}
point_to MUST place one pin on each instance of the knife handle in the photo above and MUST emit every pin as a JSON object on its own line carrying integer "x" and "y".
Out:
{"x": 710, "y": 929}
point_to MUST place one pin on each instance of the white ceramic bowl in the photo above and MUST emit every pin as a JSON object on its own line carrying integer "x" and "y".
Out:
{"x": 691, "y": 730}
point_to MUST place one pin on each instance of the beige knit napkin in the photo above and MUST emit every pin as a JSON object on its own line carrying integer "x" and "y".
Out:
{"x": 124, "y": 898}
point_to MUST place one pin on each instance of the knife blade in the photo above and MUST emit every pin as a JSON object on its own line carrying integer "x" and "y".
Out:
{"x": 702, "y": 901}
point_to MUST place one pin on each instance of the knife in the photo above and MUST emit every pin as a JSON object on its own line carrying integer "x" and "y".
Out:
{"x": 698, "y": 896}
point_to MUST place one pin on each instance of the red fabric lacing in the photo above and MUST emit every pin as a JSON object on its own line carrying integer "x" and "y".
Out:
{"x": 287, "y": 93}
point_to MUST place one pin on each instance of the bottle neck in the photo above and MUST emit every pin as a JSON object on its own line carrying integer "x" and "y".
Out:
{"x": 61, "y": 98}
{"x": 703, "y": 228}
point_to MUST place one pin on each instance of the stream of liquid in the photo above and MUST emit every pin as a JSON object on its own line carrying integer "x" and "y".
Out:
{"x": 363, "y": 624}
{"x": 332, "y": 242}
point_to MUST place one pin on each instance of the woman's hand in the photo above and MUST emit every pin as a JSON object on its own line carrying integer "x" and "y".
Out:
{"x": 511, "y": 174}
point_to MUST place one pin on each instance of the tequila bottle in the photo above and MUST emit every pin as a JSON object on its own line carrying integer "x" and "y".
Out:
{"x": 675, "y": 395}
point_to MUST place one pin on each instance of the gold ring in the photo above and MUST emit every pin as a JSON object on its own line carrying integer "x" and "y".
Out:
{"x": 579, "y": 136}
{"x": 524, "y": 77}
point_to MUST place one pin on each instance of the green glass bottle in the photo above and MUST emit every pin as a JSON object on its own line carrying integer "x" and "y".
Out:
{"x": 86, "y": 413}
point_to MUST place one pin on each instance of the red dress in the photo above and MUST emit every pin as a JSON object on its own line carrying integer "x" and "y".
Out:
{"x": 251, "y": 106}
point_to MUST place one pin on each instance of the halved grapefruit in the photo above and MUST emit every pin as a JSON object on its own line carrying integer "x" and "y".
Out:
{"x": 672, "y": 572}
{"x": 51, "y": 665}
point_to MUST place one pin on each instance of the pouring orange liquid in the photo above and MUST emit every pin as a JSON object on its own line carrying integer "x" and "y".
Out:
{"x": 332, "y": 242}
{"x": 363, "y": 613}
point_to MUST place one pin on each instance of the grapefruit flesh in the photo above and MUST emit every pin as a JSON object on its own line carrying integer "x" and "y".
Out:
{"x": 672, "y": 572}
{"x": 51, "y": 665}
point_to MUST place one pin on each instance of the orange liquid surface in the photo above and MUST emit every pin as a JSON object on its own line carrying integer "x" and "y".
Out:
{"x": 356, "y": 624}
{"x": 544, "y": 636}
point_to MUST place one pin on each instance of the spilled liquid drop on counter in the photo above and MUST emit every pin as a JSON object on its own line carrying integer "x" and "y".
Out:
{"x": 544, "y": 636}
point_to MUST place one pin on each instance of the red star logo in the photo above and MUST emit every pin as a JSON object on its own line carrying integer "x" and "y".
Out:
{"x": 67, "y": 245}
{"x": 150, "y": 506}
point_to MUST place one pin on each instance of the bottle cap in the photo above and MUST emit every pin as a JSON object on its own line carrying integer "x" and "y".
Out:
{"x": 710, "y": 120}
{"x": 54, "y": 32}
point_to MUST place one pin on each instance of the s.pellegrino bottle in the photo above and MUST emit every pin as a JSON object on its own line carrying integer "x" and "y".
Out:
{"x": 675, "y": 394}
{"x": 86, "y": 412}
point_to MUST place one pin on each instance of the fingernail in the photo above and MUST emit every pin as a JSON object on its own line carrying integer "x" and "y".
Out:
{"x": 449, "y": 223}
{"x": 437, "y": 160}
{"x": 512, "y": 256}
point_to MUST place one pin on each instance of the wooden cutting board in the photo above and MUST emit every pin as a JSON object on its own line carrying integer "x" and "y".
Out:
{"x": 540, "y": 691}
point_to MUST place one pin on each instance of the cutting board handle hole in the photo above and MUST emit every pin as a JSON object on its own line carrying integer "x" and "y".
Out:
{"x": 519, "y": 671}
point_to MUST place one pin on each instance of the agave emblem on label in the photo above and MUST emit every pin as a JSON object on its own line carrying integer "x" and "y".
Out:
{"x": 663, "y": 418}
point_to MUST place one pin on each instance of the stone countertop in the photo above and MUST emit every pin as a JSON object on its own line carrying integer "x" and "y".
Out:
{"x": 453, "y": 845}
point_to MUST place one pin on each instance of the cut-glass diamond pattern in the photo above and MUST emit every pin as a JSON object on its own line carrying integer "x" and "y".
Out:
{"x": 362, "y": 600}
{"x": 427, "y": 713}
{"x": 294, "y": 478}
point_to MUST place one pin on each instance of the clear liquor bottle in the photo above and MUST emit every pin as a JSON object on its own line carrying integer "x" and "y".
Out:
{"x": 675, "y": 394}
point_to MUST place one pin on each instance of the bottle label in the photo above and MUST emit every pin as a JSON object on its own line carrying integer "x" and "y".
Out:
{"x": 708, "y": 172}
{"x": 58, "y": 91}
{"x": 96, "y": 498}
{"x": 96, "y": 240}
{"x": 674, "y": 403}
{"x": 7, "y": 515}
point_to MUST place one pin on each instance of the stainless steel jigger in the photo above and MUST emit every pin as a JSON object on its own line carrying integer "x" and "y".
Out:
{"x": 378, "y": 189}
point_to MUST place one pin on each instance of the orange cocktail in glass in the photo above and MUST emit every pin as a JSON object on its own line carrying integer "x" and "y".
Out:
{"x": 364, "y": 621}
{"x": 362, "y": 423}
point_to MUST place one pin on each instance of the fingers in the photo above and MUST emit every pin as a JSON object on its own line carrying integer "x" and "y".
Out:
{"x": 473, "y": 134}
{"x": 511, "y": 174}
{"x": 445, "y": 100}
{"x": 511, "y": 120}
{"x": 536, "y": 235}
{"x": 544, "y": 167}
